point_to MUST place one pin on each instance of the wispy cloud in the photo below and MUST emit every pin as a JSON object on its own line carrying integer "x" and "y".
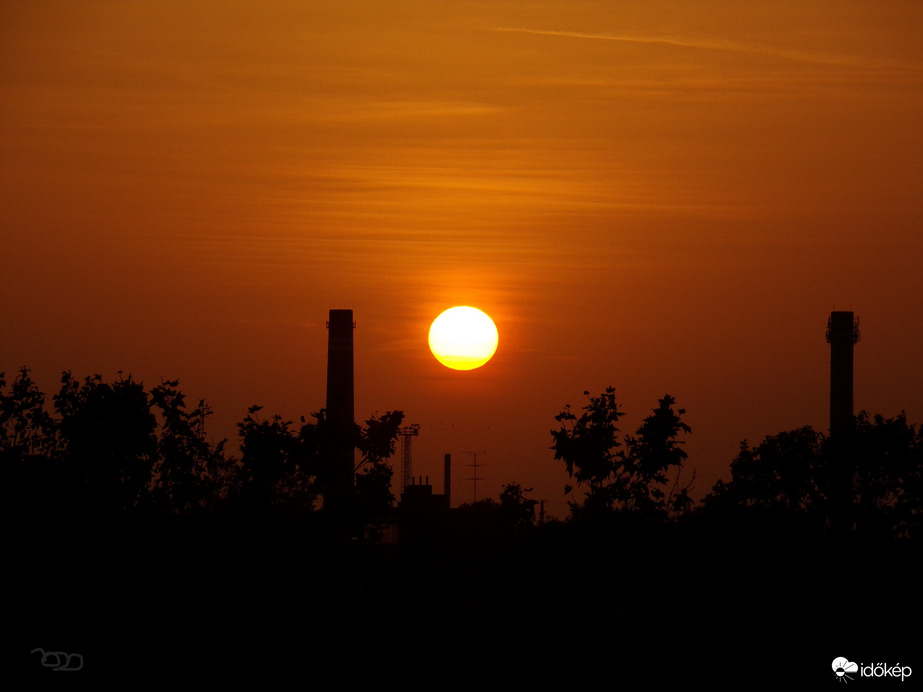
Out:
{"x": 795, "y": 54}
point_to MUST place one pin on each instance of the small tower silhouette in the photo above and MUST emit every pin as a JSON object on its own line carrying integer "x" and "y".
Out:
{"x": 842, "y": 335}
{"x": 407, "y": 433}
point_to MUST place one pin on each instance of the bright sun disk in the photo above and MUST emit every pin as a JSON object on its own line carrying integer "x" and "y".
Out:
{"x": 463, "y": 338}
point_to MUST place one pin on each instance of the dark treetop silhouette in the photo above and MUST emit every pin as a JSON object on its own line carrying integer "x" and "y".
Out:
{"x": 632, "y": 474}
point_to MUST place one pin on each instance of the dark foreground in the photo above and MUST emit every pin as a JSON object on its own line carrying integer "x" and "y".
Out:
{"x": 636, "y": 606}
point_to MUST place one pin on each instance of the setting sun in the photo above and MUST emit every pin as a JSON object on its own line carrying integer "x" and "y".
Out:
{"x": 463, "y": 338}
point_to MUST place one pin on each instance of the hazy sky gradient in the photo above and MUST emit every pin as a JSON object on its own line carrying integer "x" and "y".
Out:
{"x": 666, "y": 197}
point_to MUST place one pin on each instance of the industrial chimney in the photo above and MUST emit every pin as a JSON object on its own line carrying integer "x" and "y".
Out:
{"x": 447, "y": 480}
{"x": 339, "y": 410}
{"x": 842, "y": 334}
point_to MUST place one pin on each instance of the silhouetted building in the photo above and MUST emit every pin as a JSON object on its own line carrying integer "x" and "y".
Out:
{"x": 340, "y": 407}
{"x": 842, "y": 334}
{"x": 419, "y": 497}
{"x": 422, "y": 514}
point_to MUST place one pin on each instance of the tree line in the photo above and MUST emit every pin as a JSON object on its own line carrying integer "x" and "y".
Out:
{"x": 117, "y": 447}
{"x": 864, "y": 481}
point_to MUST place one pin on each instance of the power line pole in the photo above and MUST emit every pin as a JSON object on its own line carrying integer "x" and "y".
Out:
{"x": 475, "y": 465}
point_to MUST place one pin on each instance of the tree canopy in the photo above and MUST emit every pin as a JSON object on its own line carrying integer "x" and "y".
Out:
{"x": 866, "y": 480}
{"x": 117, "y": 446}
{"x": 630, "y": 473}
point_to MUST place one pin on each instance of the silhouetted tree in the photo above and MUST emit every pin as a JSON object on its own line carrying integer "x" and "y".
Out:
{"x": 866, "y": 480}
{"x": 376, "y": 443}
{"x": 29, "y": 447}
{"x": 588, "y": 447}
{"x": 778, "y": 475}
{"x": 107, "y": 448}
{"x": 632, "y": 475}
{"x": 189, "y": 472}
{"x": 112, "y": 446}
{"x": 652, "y": 456}
{"x": 516, "y": 509}
{"x": 108, "y": 434}
{"x": 27, "y": 430}
{"x": 282, "y": 466}
{"x": 884, "y": 458}
{"x": 278, "y": 466}
{"x": 127, "y": 456}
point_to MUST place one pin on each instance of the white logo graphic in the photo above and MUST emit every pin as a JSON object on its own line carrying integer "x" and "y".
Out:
{"x": 841, "y": 667}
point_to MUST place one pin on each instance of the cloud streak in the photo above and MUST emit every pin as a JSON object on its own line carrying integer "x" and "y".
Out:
{"x": 803, "y": 56}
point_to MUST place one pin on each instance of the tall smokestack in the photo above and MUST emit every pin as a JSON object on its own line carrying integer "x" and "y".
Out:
{"x": 447, "y": 480}
{"x": 340, "y": 413}
{"x": 842, "y": 334}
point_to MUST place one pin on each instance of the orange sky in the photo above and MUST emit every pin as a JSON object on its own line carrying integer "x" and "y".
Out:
{"x": 666, "y": 197}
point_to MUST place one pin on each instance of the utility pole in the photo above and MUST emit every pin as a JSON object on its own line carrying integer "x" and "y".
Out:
{"x": 474, "y": 477}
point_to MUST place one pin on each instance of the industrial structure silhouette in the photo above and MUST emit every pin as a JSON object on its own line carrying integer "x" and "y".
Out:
{"x": 842, "y": 335}
{"x": 419, "y": 508}
{"x": 340, "y": 407}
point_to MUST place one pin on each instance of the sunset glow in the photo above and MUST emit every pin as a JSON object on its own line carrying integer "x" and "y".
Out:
{"x": 666, "y": 197}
